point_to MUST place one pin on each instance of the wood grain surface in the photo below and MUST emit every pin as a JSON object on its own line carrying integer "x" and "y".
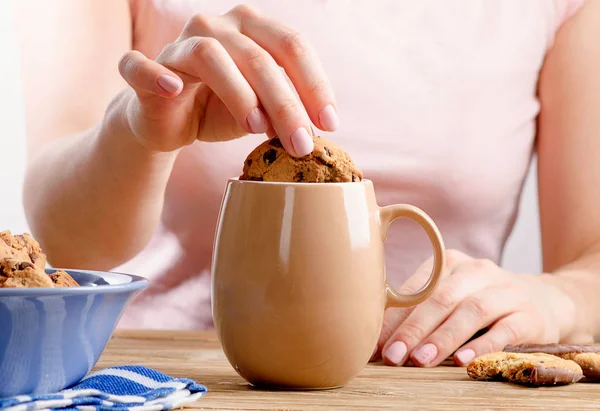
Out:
{"x": 198, "y": 355}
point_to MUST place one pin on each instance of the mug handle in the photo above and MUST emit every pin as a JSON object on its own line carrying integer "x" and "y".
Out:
{"x": 386, "y": 216}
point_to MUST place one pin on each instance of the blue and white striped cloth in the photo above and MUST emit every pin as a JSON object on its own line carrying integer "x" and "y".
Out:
{"x": 130, "y": 387}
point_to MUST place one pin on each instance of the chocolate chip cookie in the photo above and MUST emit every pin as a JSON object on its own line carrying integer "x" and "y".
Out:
{"x": 23, "y": 264}
{"x": 61, "y": 278}
{"x": 588, "y": 361}
{"x": 22, "y": 274}
{"x": 328, "y": 163}
{"x": 529, "y": 369}
{"x": 587, "y": 356}
{"x": 21, "y": 247}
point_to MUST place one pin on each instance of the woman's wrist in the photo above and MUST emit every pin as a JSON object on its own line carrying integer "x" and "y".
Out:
{"x": 566, "y": 306}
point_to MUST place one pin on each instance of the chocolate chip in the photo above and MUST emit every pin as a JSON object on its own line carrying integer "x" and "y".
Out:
{"x": 275, "y": 142}
{"x": 20, "y": 237}
{"x": 323, "y": 161}
{"x": 300, "y": 176}
{"x": 6, "y": 241}
{"x": 354, "y": 177}
{"x": 24, "y": 265}
{"x": 327, "y": 151}
{"x": 249, "y": 162}
{"x": 270, "y": 156}
{"x": 33, "y": 257}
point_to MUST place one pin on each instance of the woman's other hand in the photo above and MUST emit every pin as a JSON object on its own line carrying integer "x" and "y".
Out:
{"x": 474, "y": 295}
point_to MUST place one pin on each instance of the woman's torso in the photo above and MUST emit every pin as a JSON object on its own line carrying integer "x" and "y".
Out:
{"x": 437, "y": 105}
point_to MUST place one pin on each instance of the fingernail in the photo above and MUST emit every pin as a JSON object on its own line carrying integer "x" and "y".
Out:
{"x": 169, "y": 84}
{"x": 396, "y": 352}
{"x": 328, "y": 118}
{"x": 257, "y": 121}
{"x": 302, "y": 142}
{"x": 465, "y": 356}
{"x": 425, "y": 354}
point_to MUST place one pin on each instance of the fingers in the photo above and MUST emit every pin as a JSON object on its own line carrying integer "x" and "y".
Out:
{"x": 285, "y": 111}
{"x": 517, "y": 328}
{"x": 205, "y": 59}
{"x": 294, "y": 53}
{"x": 474, "y": 313}
{"x": 394, "y": 316}
{"x": 395, "y": 353}
{"x": 466, "y": 279}
{"x": 148, "y": 77}
{"x": 242, "y": 70}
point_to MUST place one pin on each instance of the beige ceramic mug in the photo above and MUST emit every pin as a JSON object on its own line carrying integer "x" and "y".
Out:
{"x": 298, "y": 279}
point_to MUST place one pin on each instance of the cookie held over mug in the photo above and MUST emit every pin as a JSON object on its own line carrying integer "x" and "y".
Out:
{"x": 327, "y": 163}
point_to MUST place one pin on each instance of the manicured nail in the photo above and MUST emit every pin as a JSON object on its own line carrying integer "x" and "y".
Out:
{"x": 169, "y": 84}
{"x": 329, "y": 119}
{"x": 302, "y": 142}
{"x": 426, "y": 354}
{"x": 257, "y": 121}
{"x": 465, "y": 356}
{"x": 396, "y": 352}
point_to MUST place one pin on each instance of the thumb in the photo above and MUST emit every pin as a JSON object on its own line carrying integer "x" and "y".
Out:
{"x": 147, "y": 77}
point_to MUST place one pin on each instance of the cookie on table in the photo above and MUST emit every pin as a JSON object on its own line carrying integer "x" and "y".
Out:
{"x": 587, "y": 356}
{"x": 328, "y": 163}
{"x": 589, "y": 363}
{"x": 530, "y": 369}
{"x": 21, "y": 247}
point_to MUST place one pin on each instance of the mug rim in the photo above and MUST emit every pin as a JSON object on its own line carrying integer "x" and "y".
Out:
{"x": 236, "y": 180}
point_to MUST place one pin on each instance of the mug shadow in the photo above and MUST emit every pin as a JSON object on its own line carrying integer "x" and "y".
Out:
{"x": 261, "y": 388}
{"x": 448, "y": 362}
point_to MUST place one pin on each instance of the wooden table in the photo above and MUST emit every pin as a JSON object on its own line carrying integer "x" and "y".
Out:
{"x": 197, "y": 355}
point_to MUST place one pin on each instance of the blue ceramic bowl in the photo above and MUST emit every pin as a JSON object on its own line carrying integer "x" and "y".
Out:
{"x": 50, "y": 338}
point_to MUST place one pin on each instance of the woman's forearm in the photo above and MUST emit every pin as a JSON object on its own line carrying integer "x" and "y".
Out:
{"x": 93, "y": 200}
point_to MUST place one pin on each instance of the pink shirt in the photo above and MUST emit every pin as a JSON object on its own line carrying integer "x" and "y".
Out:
{"x": 437, "y": 105}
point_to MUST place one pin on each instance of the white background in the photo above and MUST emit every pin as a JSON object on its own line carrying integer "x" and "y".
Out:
{"x": 522, "y": 252}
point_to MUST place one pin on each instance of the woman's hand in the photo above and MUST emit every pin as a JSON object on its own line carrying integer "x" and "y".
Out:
{"x": 223, "y": 78}
{"x": 474, "y": 295}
